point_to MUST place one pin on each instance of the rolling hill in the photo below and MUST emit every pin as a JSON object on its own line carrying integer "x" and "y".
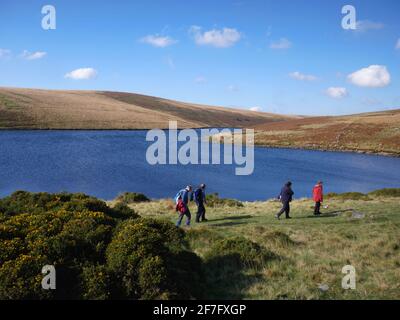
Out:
{"x": 53, "y": 109}
{"x": 376, "y": 132}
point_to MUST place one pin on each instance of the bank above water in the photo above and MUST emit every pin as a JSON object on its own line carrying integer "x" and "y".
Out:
{"x": 395, "y": 154}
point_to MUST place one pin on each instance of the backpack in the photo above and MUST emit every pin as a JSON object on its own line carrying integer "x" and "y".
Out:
{"x": 180, "y": 206}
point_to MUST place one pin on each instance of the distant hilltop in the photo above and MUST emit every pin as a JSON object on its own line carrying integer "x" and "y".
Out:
{"x": 54, "y": 109}
{"x": 375, "y": 132}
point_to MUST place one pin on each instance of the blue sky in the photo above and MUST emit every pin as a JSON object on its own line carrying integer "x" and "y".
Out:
{"x": 290, "y": 56}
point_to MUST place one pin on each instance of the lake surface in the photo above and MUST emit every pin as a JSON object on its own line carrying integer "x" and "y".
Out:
{"x": 105, "y": 163}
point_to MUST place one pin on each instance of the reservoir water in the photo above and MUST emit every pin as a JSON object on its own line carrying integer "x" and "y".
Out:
{"x": 106, "y": 163}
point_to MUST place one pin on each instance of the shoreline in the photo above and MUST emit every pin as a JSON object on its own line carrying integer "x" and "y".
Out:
{"x": 328, "y": 195}
{"x": 306, "y": 148}
{"x": 261, "y": 145}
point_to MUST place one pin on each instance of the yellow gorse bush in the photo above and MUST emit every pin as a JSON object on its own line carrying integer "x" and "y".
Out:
{"x": 98, "y": 252}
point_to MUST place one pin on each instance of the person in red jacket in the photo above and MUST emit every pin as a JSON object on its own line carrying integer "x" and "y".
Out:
{"x": 183, "y": 210}
{"x": 318, "y": 197}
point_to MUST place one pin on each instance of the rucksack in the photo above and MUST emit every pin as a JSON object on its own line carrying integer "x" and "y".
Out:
{"x": 180, "y": 206}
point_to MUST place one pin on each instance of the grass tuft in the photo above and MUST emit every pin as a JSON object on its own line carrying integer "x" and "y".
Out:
{"x": 240, "y": 252}
{"x": 347, "y": 196}
{"x": 278, "y": 238}
{"x": 213, "y": 200}
{"x": 388, "y": 192}
{"x": 131, "y": 197}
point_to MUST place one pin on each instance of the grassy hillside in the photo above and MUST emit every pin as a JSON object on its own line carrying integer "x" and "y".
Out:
{"x": 53, "y": 109}
{"x": 370, "y": 132}
{"x": 306, "y": 252}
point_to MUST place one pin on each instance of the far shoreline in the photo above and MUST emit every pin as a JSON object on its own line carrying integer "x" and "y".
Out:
{"x": 301, "y": 148}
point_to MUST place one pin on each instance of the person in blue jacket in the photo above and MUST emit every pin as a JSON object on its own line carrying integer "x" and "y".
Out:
{"x": 186, "y": 196}
{"x": 286, "y": 197}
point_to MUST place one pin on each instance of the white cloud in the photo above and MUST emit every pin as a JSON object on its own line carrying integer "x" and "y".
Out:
{"x": 337, "y": 92}
{"x": 366, "y": 25}
{"x": 5, "y": 53}
{"x": 158, "y": 41}
{"x": 81, "y": 74}
{"x": 374, "y": 76}
{"x": 222, "y": 38}
{"x": 283, "y": 43}
{"x": 256, "y": 109}
{"x": 398, "y": 44}
{"x": 200, "y": 80}
{"x": 33, "y": 55}
{"x": 302, "y": 77}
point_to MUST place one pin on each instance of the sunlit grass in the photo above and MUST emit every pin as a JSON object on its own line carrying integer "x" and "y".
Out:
{"x": 311, "y": 250}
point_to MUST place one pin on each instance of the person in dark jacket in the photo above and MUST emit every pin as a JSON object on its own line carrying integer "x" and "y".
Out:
{"x": 200, "y": 199}
{"x": 286, "y": 197}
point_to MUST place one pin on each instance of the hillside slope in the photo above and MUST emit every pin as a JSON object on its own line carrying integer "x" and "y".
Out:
{"x": 53, "y": 109}
{"x": 377, "y": 132}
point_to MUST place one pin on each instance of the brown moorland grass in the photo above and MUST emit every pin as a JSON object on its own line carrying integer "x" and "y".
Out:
{"x": 62, "y": 109}
{"x": 377, "y": 132}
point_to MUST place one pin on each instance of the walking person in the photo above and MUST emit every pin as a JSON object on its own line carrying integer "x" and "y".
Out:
{"x": 318, "y": 197}
{"x": 286, "y": 197}
{"x": 182, "y": 200}
{"x": 200, "y": 199}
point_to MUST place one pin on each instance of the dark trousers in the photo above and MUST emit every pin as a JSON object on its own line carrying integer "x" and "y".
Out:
{"x": 285, "y": 208}
{"x": 317, "y": 208}
{"x": 181, "y": 215}
{"x": 201, "y": 212}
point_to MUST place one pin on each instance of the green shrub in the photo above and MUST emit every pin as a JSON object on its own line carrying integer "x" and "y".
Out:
{"x": 95, "y": 282}
{"x": 347, "y": 196}
{"x": 213, "y": 200}
{"x": 388, "y": 192}
{"x": 186, "y": 275}
{"x": 21, "y": 278}
{"x": 64, "y": 239}
{"x": 92, "y": 247}
{"x": 131, "y": 197}
{"x": 122, "y": 211}
{"x": 36, "y": 203}
{"x": 142, "y": 258}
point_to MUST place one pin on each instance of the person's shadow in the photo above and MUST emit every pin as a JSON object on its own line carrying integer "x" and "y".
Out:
{"x": 330, "y": 214}
{"x": 233, "y": 218}
{"x": 230, "y": 221}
